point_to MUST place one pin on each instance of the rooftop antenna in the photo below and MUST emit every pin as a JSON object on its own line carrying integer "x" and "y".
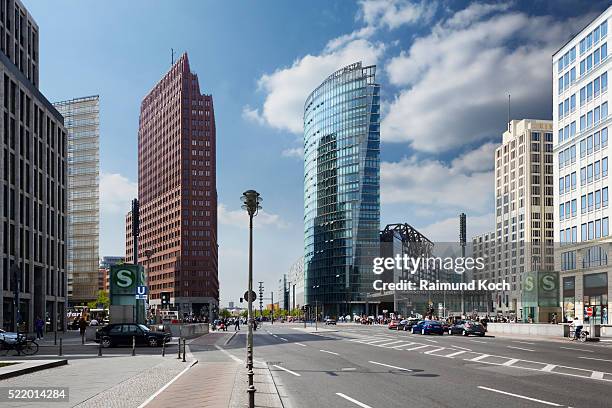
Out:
{"x": 172, "y": 52}
{"x": 509, "y": 129}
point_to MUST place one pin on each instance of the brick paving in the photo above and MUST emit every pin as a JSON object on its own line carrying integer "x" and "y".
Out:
{"x": 205, "y": 385}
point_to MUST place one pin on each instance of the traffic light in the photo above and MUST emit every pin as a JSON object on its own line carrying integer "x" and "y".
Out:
{"x": 165, "y": 298}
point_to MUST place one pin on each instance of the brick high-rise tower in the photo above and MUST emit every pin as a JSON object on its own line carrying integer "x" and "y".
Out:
{"x": 177, "y": 193}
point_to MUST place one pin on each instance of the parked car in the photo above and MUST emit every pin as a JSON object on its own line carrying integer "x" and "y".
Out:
{"x": 467, "y": 327}
{"x": 330, "y": 321}
{"x": 121, "y": 335}
{"x": 407, "y": 324}
{"x": 428, "y": 327}
{"x": 393, "y": 325}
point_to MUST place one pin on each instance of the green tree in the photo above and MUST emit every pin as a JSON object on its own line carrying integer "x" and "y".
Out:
{"x": 244, "y": 313}
{"x": 224, "y": 313}
{"x": 102, "y": 301}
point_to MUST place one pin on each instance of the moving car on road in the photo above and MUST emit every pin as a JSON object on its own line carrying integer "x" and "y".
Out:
{"x": 428, "y": 327}
{"x": 393, "y": 325}
{"x": 330, "y": 321}
{"x": 122, "y": 334}
{"x": 467, "y": 327}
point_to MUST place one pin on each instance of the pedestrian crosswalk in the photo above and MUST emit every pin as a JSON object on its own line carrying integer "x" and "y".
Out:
{"x": 471, "y": 356}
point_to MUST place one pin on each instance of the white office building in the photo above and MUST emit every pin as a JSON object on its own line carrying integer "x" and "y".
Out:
{"x": 582, "y": 213}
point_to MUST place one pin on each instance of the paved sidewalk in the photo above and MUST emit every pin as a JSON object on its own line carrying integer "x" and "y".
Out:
{"x": 224, "y": 375}
{"x": 122, "y": 382}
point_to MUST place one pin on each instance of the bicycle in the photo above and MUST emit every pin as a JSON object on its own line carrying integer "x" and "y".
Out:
{"x": 584, "y": 335}
{"x": 22, "y": 345}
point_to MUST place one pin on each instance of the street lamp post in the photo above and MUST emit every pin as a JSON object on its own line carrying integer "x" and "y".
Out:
{"x": 316, "y": 309}
{"x": 251, "y": 200}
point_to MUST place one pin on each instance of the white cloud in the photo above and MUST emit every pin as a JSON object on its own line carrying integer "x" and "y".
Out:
{"x": 116, "y": 193}
{"x": 394, "y": 13}
{"x": 456, "y": 79}
{"x": 295, "y": 152}
{"x": 239, "y": 218}
{"x": 480, "y": 159}
{"x": 438, "y": 185}
{"x": 287, "y": 88}
{"x": 252, "y": 115}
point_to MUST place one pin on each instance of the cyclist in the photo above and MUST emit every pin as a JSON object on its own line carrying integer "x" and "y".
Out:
{"x": 577, "y": 323}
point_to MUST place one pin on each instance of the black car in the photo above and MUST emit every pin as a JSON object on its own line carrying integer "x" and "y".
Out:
{"x": 467, "y": 327}
{"x": 121, "y": 335}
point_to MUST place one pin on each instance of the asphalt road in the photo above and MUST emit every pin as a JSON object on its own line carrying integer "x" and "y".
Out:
{"x": 371, "y": 366}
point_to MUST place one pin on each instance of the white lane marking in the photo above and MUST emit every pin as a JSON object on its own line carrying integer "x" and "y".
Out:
{"x": 417, "y": 347}
{"x": 374, "y": 341}
{"x": 386, "y": 344}
{"x": 520, "y": 348}
{"x": 598, "y": 375}
{"x": 511, "y": 361}
{"x": 478, "y": 341}
{"x": 460, "y": 348}
{"x": 451, "y": 355}
{"x": 576, "y": 349}
{"x": 300, "y": 344}
{"x": 403, "y": 345}
{"x": 289, "y": 371}
{"x": 478, "y": 358}
{"x": 354, "y": 401}
{"x": 519, "y": 396}
{"x": 598, "y": 359}
{"x": 390, "y": 366}
{"x": 433, "y": 341}
{"x": 283, "y": 339}
{"x": 434, "y": 350}
{"x": 329, "y": 352}
{"x": 349, "y": 369}
{"x": 549, "y": 367}
{"x": 524, "y": 342}
{"x": 274, "y": 335}
{"x": 227, "y": 353}
{"x": 167, "y": 385}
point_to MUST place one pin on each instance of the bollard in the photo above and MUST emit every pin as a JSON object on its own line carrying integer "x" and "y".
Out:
{"x": 100, "y": 348}
{"x": 60, "y": 348}
{"x": 133, "y": 345}
{"x": 164, "y": 348}
{"x": 55, "y": 337}
{"x": 184, "y": 349}
{"x": 179, "y": 348}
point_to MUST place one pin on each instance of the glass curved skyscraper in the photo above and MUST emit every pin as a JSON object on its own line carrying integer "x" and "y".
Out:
{"x": 341, "y": 190}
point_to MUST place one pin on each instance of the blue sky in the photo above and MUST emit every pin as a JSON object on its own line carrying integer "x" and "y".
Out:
{"x": 445, "y": 70}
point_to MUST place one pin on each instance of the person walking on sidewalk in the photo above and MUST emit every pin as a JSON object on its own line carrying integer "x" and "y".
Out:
{"x": 38, "y": 325}
{"x": 82, "y": 326}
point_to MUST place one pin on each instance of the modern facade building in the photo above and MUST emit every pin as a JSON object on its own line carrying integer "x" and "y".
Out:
{"x": 282, "y": 294}
{"x": 296, "y": 284}
{"x": 177, "y": 194}
{"x": 33, "y": 179}
{"x": 341, "y": 189}
{"x": 582, "y": 212}
{"x": 523, "y": 240}
{"x": 82, "y": 122}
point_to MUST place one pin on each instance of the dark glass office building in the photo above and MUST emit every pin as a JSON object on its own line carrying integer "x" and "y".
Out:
{"x": 341, "y": 190}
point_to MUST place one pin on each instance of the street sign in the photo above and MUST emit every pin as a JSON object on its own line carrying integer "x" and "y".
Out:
{"x": 253, "y": 296}
{"x": 141, "y": 297}
{"x": 589, "y": 311}
{"x": 142, "y": 290}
